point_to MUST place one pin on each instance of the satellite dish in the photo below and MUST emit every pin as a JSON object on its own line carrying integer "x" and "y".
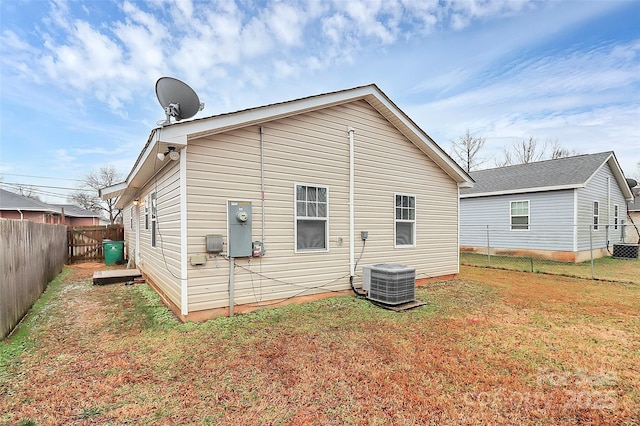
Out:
{"x": 177, "y": 99}
{"x": 632, "y": 183}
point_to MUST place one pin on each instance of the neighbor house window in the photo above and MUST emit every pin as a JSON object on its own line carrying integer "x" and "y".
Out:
{"x": 405, "y": 220}
{"x": 312, "y": 212}
{"x": 154, "y": 218}
{"x": 520, "y": 215}
{"x": 596, "y": 215}
{"x": 616, "y": 217}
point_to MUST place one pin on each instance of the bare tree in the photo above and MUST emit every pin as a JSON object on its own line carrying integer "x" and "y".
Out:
{"x": 530, "y": 151}
{"x": 465, "y": 151}
{"x": 26, "y": 191}
{"x": 89, "y": 200}
{"x": 557, "y": 151}
{"x": 522, "y": 152}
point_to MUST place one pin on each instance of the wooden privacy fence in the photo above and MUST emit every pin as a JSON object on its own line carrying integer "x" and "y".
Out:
{"x": 85, "y": 242}
{"x": 31, "y": 255}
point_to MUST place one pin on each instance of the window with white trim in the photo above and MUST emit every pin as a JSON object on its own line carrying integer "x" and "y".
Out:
{"x": 596, "y": 215}
{"x": 405, "y": 220}
{"x": 146, "y": 213}
{"x": 616, "y": 216}
{"x": 312, "y": 213}
{"x": 131, "y": 217}
{"x": 154, "y": 218}
{"x": 520, "y": 215}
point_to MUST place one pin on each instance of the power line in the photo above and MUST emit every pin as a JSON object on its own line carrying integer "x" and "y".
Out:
{"x": 39, "y": 192}
{"x": 42, "y": 177}
{"x": 31, "y": 185}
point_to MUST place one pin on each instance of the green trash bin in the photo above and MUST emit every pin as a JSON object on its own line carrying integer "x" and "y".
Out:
{"x": 113, "y": 251}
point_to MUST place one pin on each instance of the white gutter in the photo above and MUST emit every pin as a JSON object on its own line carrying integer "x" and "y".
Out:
{"x": 351, "y": 204}
{"x": 184, "y": 257}
{"x": 523, "y": 190}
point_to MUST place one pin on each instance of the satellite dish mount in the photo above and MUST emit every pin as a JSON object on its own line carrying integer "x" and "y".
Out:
{"x": 177, "y": 99}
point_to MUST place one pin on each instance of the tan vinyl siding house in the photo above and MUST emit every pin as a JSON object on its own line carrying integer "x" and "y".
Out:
{"x": 269, "y": 156}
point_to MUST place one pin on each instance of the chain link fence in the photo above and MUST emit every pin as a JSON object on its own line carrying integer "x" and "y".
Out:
{"x": 604, "y": 252}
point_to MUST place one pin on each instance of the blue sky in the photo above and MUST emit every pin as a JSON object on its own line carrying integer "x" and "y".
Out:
{"x": 77, "y": 78}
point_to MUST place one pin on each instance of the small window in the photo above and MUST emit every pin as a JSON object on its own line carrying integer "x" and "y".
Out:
{"x": 520, "y": 215}
{"x": 131, "y": 218}
{"x": 312, "y": 212}
{"x": 146, "y": 213}
{"x": 616, "y": 216}
{"x": 596, "y": 215}
{"x": 405, "y": 220}
{"x": 154, "y": 218}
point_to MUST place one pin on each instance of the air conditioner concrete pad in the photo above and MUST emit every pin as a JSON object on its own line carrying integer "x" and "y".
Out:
{"x": 115, "y": 276}
{"x": 402, "y": 307}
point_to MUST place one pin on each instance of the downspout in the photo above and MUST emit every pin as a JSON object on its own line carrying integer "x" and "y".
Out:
{"x": 608, "y": 211}
{"x": 21, "y": 215}
{"x": 352, "y": 255}
{"x": 262, "y": 180}
{"x": 184, "y": 258}
{"x": 575, "y": 221}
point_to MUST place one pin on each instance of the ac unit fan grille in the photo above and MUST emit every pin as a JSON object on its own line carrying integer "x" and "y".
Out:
{"x": 625, "y": 251}
{"x": 392, "y": 284}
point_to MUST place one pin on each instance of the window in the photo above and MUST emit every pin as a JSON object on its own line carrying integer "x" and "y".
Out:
{"x": 131, "y": 217}
{"x": 146, "y": 213}
{"x": 520, "y": 215}
{"x": 616, "y": 216}
{"x": 405, "y": 221}
{"x": 154, "y": 218}
{"x": 596, "y": 215}
{"x": 312, "y": 212}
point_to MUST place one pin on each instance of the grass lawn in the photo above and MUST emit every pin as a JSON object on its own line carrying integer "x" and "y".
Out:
{"x": 605, "y": 268}
{"x": 491, "y": 347}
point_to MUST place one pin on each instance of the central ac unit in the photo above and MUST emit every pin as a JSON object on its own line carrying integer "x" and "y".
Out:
{"x": 389, "y": 283}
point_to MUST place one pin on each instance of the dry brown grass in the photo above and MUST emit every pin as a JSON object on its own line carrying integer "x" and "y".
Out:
{"x": 492, "y": 347}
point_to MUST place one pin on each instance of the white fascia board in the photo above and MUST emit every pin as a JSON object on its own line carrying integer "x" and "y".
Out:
{"x": 422, "y": 140}
{"x": 612, "y": 161}
{"x": 112, "y": 191}
{"x": 221, "y": 123}
{"x": 522, "y": 191}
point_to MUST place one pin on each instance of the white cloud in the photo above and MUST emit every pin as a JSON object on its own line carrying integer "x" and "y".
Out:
{"x": 286, "y": 23}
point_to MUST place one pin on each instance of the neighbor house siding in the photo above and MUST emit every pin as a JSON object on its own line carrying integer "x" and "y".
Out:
{"x": 162, "y": 263}
{"x": 607, "y": 195}
{"x": 550, "y": 221}
{"x": 313, "y": 149}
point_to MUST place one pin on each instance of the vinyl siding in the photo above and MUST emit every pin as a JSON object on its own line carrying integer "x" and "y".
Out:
{"x": 162, "y": 263}
{"x": 313, "y": 149}
{"x": 596, "y": 190}
{"x": 550, "y": 221}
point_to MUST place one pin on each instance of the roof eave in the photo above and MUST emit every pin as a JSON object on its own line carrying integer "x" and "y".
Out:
{"x": 178, "y": 134}
{"x": 522, "y": 191}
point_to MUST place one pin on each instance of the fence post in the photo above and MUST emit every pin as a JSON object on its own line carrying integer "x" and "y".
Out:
{"x": 488, "y": 247}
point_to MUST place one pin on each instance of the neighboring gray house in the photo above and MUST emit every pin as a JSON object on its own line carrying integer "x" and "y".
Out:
{"x": 556, "y": 209}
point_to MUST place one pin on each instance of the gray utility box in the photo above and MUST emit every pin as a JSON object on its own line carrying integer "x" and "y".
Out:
{"x": 389, "y": 283}
{"x": 240, "y": 223}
